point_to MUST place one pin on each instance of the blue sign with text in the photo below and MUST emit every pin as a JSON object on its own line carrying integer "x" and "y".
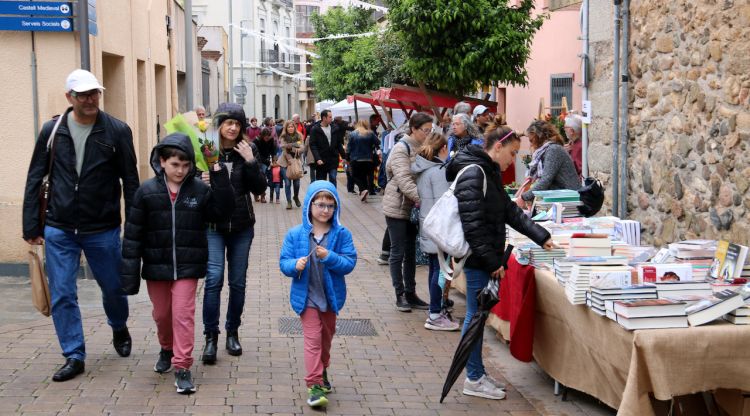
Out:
{"x": 37, "y": 8}
{"x": 36, "y": 24}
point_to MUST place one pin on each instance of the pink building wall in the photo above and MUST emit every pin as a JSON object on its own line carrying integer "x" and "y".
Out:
{"x": 555, "y": 50}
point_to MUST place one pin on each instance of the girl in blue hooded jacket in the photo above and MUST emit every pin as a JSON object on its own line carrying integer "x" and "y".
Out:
{"x": 317, "y": 254}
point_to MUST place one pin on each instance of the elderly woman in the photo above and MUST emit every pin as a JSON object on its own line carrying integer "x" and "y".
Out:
{"x": 574, "y": 146}
{"x": 551, "y": 166}
{"x": 463, "y": 133}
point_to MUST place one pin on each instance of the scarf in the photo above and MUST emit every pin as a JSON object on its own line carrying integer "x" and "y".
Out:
{"x": 535, "y": 167}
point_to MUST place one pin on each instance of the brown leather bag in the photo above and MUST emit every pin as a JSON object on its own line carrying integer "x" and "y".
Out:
{"x": 45, "y": 190}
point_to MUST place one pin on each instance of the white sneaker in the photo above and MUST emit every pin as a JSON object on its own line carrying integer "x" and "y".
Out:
{"x": 494, "y": 382}
{"x": 483, "y": 388}
{"x": 442, "y": 323}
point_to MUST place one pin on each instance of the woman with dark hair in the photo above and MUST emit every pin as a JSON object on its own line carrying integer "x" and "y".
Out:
{"x": 362, "y": 144}
{"x": 291, "y": 144}
{"x": 231, "y": 240}
{"x": 266, "y": 151}
{"x": 431, "y": 185}
{"x": 551, "y": 166}
{"x": 484, "y": 215}
{"x": 400, "y": 197}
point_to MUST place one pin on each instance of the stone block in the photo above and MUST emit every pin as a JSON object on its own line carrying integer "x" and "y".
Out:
{"x": 664, "y": 44}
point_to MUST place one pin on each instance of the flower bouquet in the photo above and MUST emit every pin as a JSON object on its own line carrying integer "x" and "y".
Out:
{"x": 207, "y": 146}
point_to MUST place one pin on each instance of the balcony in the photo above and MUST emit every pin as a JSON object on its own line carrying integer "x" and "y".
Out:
{"x": 270, "y": 58}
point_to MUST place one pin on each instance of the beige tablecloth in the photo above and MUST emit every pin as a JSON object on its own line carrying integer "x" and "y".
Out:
{"x": 595, "y": 355}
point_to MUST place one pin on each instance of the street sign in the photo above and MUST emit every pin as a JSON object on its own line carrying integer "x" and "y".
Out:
{"x": 240, "y": 90}
{"x": 36, "y": 24}
{"x": 37, "y": 8}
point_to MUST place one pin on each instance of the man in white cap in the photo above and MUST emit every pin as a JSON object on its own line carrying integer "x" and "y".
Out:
{"x": 481, "y": 116}
{"x": 87, "y": 153}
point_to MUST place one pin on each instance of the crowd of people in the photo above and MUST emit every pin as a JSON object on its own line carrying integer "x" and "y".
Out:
{"x": 184, "y": 224}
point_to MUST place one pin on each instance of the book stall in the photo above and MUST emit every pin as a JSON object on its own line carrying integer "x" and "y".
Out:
{"x": 624, "y": 322}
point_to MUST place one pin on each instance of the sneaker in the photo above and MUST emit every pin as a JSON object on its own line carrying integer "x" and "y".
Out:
{"x": 483, "y": 388}
{"x": 164, "y": 363}
{"x": 316, "y": 396}
{"x": 382, "y": 260}
{"x": 402, "y": 305}
{"x": 494, "y": 382}
{"x": 415, "y": 302}
{"x": 183, "y": 380}
{"x": 442, "y": 323}
{"x": 327, "y": 387}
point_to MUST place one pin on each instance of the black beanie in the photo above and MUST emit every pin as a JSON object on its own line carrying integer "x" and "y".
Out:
{"x": 231, "y": 111}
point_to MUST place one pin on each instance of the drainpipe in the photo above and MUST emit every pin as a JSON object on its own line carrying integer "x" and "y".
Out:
{"x": 625, "y": 15}
{"x": 83, "y": 31}
{"x": 585, "y": 85}
{"x": 34, "y": 87}
{"x": 230, "y": 28}
{"x": 615, "y": 113}
{"x": 189, "y": 68}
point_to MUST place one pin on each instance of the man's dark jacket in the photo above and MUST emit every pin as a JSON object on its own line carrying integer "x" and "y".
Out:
{"x": 483, "y": 217}
{"x": 88, "y": 203}
{"x": 170, "y": 237}
{"x": 327, "y": 152}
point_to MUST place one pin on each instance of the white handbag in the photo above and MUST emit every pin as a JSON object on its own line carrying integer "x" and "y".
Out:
{"x": 443, "y": 226}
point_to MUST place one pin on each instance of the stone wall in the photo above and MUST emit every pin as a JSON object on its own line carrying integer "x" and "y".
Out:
{"x": 689, "y": 119}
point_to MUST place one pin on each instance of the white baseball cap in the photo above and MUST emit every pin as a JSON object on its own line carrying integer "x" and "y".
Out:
{"x": 480, "y": 109}
{"x": 81, "y": 80}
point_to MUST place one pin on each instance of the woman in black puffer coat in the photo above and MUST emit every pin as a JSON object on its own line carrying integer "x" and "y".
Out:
{"x": 483, "y": 219}
{"x": 231, "y": 240}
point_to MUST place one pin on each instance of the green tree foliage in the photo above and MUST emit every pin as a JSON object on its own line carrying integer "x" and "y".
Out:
{"x": 455, "y": 45}
{"x": 353, "y": 65}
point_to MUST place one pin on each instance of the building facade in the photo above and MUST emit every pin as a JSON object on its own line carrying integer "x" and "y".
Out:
{"x": 263, "y": 58}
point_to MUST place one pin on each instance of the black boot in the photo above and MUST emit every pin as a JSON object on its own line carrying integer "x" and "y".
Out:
{"x": 122, "y": 342}
{"x": 209, "y": 351}
{"x": 233, "y": 343}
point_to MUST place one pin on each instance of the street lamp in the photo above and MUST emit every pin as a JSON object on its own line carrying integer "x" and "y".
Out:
{"x": 240, "y": 89}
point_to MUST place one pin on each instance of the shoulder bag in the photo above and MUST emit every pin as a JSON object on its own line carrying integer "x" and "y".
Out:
{"x": 45, "y": 190}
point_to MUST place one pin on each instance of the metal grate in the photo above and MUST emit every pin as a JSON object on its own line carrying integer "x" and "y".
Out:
{"x": 561, "y": 85}
{"x": 345, "y": 327}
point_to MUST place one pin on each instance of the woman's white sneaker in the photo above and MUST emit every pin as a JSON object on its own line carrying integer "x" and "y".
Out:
{"x": 483, "y": 388}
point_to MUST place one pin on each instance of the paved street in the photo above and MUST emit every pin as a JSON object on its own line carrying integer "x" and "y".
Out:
{"x": 398, "y": 372}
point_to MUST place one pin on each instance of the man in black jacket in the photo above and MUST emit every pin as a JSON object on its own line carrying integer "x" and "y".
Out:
{"x": 327, "y": 144}
{"x": 91, "y": 152}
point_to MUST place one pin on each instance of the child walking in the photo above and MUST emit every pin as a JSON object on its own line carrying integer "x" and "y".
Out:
{"x": 166, "y": 229}
{"x": 317, "y": 254}
{"x": 276, "y": 179}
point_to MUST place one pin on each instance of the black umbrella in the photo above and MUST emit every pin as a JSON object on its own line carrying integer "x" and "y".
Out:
{"x": 486, "y": 299}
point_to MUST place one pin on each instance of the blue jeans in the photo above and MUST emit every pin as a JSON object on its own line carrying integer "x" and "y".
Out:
{"x": 237, "y": 246}
{"x": 63, "y": 257}
{"x": 436, "y": 293}
{"x": 287, "y": 186}
{"x": 321, "y": 172}
{"x": 476, "y": 280}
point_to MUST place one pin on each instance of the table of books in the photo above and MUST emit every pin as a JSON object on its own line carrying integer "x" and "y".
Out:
{"x": 593, "y": 354}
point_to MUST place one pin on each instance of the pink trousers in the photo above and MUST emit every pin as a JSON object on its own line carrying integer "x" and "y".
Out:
{"x": 174, "y": 314}
{"x": 317, "y": 329}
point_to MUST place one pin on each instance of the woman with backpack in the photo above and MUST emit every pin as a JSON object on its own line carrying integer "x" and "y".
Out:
{"x": 363, "y": 143}
{"x": 484, "y": 215}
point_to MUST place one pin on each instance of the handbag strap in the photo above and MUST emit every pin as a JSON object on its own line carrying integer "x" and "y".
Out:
{"x": 484, "y": 182}
{"x": 51, "y": 147}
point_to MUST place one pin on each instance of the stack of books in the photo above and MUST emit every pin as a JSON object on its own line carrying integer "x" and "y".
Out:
{"x": 587, "y": 245}
{"x": 650, "y": 314}
{"x": 566, "y": 199}
{"x": 714, "y": 307}
{"x": 539, "y": 257}
{"x": 579, "y": 282}
{"x": 638, "y": 254}
{"x": 739, "y": 316}
{"x": 628, "y": 231}
{"x": 691, "y": 249}
{"x": 665, "y": 272}
{"x": 600, "y": 297}
{"x": 729, "y": 261}
{"x": 677, "y": 289}
{"x": 564, "y": 266}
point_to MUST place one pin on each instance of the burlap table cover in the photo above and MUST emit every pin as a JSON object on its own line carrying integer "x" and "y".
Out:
{"x": 595, "y": 355}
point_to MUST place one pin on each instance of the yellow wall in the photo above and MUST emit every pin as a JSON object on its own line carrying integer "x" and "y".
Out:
{"x": 131, "y": 43}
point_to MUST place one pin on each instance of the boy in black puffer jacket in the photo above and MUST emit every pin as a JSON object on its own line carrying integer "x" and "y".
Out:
{"x": 166, "y": 229}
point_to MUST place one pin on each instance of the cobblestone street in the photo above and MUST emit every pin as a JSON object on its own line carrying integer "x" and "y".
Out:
{"x": 399, "y": 371}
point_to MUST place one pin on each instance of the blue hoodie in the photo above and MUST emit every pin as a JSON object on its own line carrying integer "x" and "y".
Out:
{"x": 341, "y": 259}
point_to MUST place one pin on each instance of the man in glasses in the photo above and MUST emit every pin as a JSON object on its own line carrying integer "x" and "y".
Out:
{"x": 90, "y": 160}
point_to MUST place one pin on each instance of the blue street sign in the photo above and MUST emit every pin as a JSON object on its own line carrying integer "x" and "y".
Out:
{"x": 37, "y": 8}
{"x": 36, "y": 24}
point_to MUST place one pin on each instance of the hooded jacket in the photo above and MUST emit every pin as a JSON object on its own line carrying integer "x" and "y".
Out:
{"x": 89, "y": 202}
{"x": 170, "y": 237}
{"x": 483, "y": 217}
{"x": 431, "y": 185}
{"x": 341, "y": 259}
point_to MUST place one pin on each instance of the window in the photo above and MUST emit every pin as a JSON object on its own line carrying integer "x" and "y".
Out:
{"x": 289, "y": 105}
{"x": 303, "y": 13}
{"x": 263, "y": 103}
{"x": 276, "y": 106}
{"x": 561, "y": 85}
